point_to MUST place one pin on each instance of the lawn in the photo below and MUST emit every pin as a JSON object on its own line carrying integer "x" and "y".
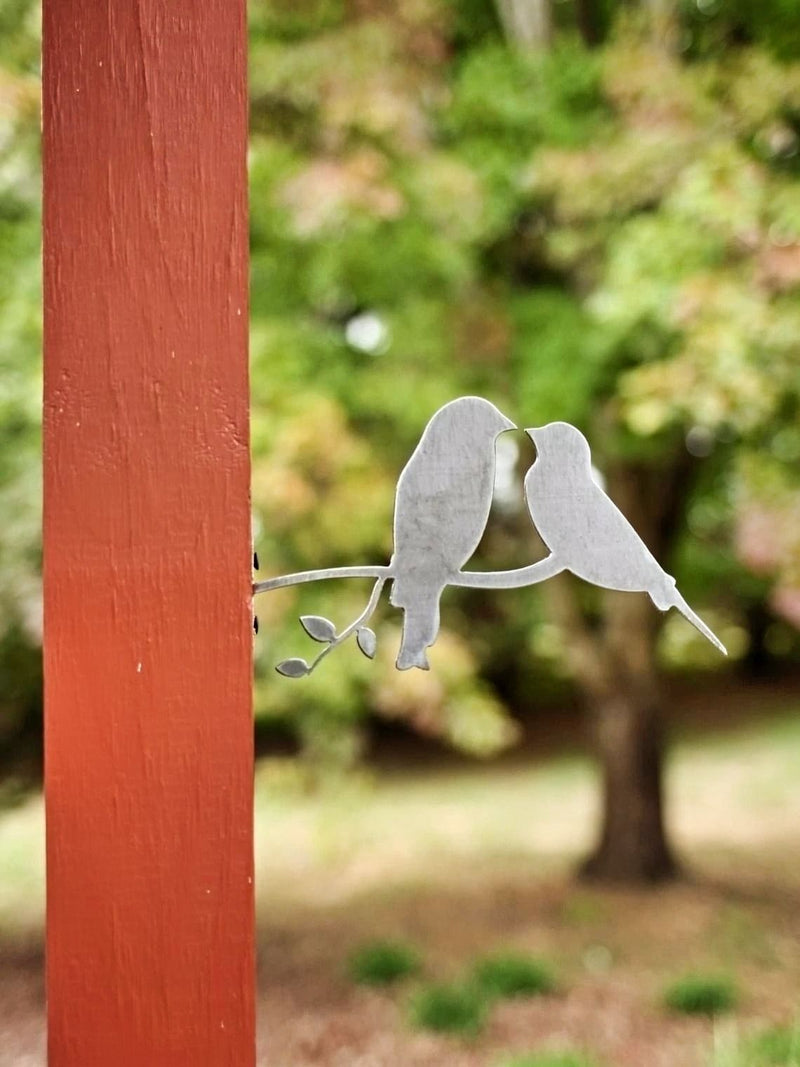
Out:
{"x": 461, "y": 863}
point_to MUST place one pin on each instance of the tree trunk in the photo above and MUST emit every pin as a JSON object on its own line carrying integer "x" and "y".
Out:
{"x": 527, "y": 24}
{"x": 664, "y": 21}
{"x": 589, "y": 22}
{"x": 626, "y": 720}
{"x": 614, "y": 664}
{"x": 633, "y": 845}
{"x": 757, "y": 664}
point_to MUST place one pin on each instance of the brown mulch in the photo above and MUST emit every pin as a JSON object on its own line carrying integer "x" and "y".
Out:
{"x": 613, "y": 950}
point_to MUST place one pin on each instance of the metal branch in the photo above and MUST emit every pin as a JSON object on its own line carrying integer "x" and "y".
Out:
{"x": 318, "y": 576}
{"x": 362, "y": 619}
{"x": 513, "y": 579}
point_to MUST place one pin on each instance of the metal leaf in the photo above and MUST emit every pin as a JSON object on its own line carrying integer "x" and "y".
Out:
{"x": 367, "y": 641}
{"x": 321, "y": 629}
{"x": 293, "y": 668}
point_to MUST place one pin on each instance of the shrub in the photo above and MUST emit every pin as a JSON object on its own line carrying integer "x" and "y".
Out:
{"x": 381, "y": 963}
{"x": 701, "y": 994}
{"x": 512, "y": 975}
{"x": 451, "y": 1009}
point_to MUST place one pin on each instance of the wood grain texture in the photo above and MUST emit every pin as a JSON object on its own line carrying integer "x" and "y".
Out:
{"x": 147, "y": 535}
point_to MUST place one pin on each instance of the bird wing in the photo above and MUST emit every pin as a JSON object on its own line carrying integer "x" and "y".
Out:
{"x": 588, "y": 532}
{"x": 441, "y": 509}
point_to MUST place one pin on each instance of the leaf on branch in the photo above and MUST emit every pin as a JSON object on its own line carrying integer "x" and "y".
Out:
{"x": 367, "y": 641}
{"x": 293, "y": 668}
{"x": 319, "y": 628}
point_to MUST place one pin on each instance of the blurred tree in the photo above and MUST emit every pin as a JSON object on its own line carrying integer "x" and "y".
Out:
{"x": 666, "y": 229}
{"x": 20, "y": 392}
{"x": 616, "y": 205}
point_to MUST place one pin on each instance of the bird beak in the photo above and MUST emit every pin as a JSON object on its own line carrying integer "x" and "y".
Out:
{"x": 507, "y": 424}
{"x": 532, "y": 432}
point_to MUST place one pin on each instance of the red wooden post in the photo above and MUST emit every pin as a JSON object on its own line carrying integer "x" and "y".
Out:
{"x": 147, "y": 535}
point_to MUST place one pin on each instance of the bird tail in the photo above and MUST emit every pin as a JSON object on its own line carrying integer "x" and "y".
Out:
{"x": 420, "y": 628}
{"x": 678, "y": 602}
{"x": 408, "y": 658}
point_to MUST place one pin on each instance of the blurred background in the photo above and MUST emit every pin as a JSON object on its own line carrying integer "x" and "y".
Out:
{"x": 585, "y": 210}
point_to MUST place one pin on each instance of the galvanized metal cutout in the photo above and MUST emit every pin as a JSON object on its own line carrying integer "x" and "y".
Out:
{"x": 442, "y": 504}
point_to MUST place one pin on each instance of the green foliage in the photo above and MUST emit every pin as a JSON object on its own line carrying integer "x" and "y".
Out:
{"x": 20, "y": 390}
{"x": 509, "y": 975}
{"x": 701, "y": 994}
{"x": 712, "y": 27}
{"x": 472, "y": 22}
{"x": 504, "y": 103}
{"x": 19, "y": 34}
{"x": 285, "y": 20}
{"x": 449, "y": 1009}
{"x": 518, "y": 99}
{"x": 551, "y": 327}
{"x": 383, "y": 963}
{"x": 608, "y": 236}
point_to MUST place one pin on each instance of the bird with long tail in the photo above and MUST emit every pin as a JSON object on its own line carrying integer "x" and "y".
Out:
{"x": 586, "y": 532}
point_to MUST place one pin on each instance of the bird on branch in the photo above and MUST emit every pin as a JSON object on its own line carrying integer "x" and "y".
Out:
{"x": 585, "y": 531}
{"x": 444, "y": 495}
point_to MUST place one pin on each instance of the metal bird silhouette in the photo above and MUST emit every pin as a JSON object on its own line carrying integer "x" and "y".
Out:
{"x": 442, "y": 503}
{"x": 443, "y": 499}
{"x": 585, "y": 532}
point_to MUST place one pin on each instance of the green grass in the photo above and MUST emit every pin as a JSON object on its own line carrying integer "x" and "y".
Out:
{"x": 22, "y": 868}
{"x": 517, "y": 809}
{"x": 383, "y": 963}
{"x": 549, "y": 1059}
{"x": 449, "y": 1009}
{"x": 777, "y": 1047}
{"x": 512, "y": 975}
{"x": 738, "y": 935}
{"x": 584, "y": 909}
{"x": 701, "y": 994}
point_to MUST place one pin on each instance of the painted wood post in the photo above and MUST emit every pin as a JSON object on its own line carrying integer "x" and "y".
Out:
{"x": 147, "y": 535}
